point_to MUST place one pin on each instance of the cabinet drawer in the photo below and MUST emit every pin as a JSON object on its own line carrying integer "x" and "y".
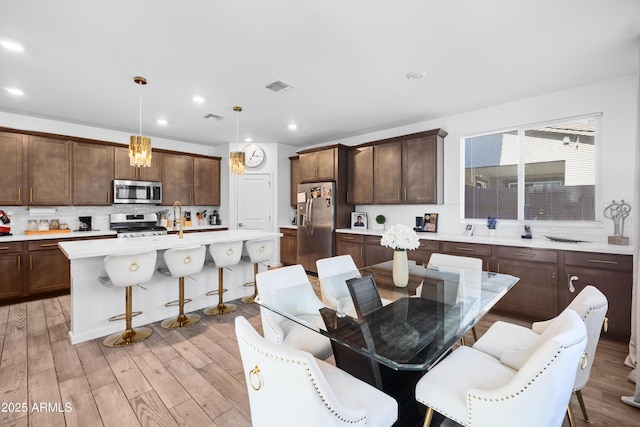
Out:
{"x": 43, "y": 245}
{"x": 527, "y": 254}
{"x": 288, "y": 232}
{"x": 353, "y": 238}
{"x": 598, "y": 260}
{"x": 466, "y": 248}
{"x": 373, "y": 240}
{"x": 430, "y": 245}
{"x": 10, "y": 247}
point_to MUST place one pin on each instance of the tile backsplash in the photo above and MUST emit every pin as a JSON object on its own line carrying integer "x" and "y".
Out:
{"x": 20, "y": 215}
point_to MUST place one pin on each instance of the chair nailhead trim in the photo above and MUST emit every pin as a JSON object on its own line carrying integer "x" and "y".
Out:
{"x": 311, "y": 378}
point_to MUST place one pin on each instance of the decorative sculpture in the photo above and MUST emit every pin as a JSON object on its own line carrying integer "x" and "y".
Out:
{"x": 618, "y": 213}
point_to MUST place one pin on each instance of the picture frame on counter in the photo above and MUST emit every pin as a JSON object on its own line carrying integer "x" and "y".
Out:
{"x": 468, "y": 230}
{"x": 430, "y": 224}
{"x": 359, "y": 220}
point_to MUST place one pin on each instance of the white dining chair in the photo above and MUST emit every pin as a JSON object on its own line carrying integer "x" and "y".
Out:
{"x": 529, "y": 387}
{"x": 288, "y": 289}
{"x": 590, "y": 304}
{"x": 289, "y": 387}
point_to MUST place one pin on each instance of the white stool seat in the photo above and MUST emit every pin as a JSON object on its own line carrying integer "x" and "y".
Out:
{"x": 124, "y": 271}
{"x": 183, "y": 262}
{"x": 256, "y": 251}
{"x": 224, "y": 254}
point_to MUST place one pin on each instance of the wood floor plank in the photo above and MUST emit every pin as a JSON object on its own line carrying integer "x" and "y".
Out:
{"x": 84, "y": 411}
{"x": 234, "y": 390}
{"x": 36, "y": 319}
{"x": 151, "y": 411}
{"x": 168, "y": 389}
{"x": 40, "y": 355}
{"x": 163, "y": 351}
{"x": 114, "y": 408}
{"x": 211, "y": 348}
{"x": 15, "y": 343}
{"x": 66, "y": 360}
{"x": 56, "y": 322}
{"x": 94, "y": 365}
{"x": 234, "y": 418}
{"x": 13, "y": 389}
{"x": 184, "y": 347}
{"x": 190, "y": 414}
{"x": 129, "y": 376}
{"x": 207, "y": 396}
{"x": 46, "y": 405}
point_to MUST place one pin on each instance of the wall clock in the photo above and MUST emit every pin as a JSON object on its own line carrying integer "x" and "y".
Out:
{"x": 253, "y": 155}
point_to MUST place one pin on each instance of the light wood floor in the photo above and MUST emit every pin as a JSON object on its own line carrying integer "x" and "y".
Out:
{"x": 188, "y": 377}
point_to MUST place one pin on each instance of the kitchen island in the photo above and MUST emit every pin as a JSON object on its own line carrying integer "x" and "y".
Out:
{"x": 92, "y": 304}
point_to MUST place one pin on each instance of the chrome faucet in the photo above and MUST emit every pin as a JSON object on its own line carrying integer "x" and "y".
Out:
{"x": 177, "y": 203}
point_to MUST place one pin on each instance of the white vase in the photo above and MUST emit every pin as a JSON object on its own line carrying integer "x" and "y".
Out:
{"x": 400, "y": 269}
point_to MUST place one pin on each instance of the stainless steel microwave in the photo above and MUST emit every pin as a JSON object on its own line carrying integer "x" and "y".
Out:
{"x": 149, "y": 192}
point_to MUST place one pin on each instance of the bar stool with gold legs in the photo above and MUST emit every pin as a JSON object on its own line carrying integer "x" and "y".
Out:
{"x": 224, "y": 254}
{"x": 124, "y": 271}
{"x": 258, "y": 250}
{"x": 183, "y": 262}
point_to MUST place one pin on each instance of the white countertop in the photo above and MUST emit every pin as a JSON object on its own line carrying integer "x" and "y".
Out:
{"x": 70, "y": 235}
{"x": 103, "y": 247}
{"x": 542, "y": 243}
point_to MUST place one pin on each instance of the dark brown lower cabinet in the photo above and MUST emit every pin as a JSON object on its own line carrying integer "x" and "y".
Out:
{"x": 374, "y": 253}
{"x": 288, "y": 246}
{"x": 11, "y": 266}
{"x": 48, "y": 268}
{"x": 351, "y": 244}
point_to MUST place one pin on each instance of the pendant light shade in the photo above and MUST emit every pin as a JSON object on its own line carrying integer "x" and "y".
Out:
{"x": 236, "y": 158}
{"x": 139, "y": 145}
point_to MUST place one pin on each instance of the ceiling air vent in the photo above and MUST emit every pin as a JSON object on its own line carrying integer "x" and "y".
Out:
{"x": 215, "y": 116}
{"x": 280, "y": 86}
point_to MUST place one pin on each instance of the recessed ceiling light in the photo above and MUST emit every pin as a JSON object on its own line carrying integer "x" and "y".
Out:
{"x": 415, "y": 75}
{"x": 293, "y": 126}
{"x": 248, "y": 140}
{"x": 162, "y": 122}
{"x": 198, "y": 99}
{"x": 12, "y": 46}
{"x": 14, "y": 91}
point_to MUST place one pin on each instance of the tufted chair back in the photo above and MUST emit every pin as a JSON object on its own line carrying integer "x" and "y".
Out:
{"x": 289, "y": 387}
{"x": 129, "y": 269}
{"x": 225, "y": 254}
{"x": 183, "y": 262}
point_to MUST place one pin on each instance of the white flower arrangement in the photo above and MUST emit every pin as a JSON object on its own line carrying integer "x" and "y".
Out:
{"x": 400, "y": 237}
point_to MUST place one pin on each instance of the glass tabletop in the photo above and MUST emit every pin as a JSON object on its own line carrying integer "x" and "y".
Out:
{"x": 413, "y": 327}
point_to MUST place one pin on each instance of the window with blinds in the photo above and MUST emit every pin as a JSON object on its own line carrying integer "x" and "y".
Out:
{"x": 545, "y": 172}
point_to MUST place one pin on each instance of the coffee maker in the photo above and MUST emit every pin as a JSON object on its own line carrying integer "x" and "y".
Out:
{"x": 85, "y": 223}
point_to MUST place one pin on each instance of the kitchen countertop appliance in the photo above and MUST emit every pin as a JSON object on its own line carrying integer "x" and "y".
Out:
{"x": 136, "y": 225}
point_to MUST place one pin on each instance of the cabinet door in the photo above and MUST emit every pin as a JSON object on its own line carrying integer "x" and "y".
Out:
{"x": 387, "y": 173}
{"x": 49, "y": 172}
{"x": 178, "y": 179}
{"x": 206, "y": 181}
{"x": 419, "y": 170}
{"x": 294, "y": 177}
{"x": 92, "y": 174}
{"x": 11, "y": 265}
{"x": 48, "y": 271}
{"x": 13, "y": 148}
{"x": 124, "y": 170}
{"x": 422, "y": 254}
{"x": 536, "y": 293}
{"x": 308, "y": 167}
{"x": 288, "y": 245}
{"x": 617, "y": 287}
{"x": 326, "y": 165}
{"x": 360, "y": 176}
{"x": 351, "y": 244}
{"x": 374, "y": 252}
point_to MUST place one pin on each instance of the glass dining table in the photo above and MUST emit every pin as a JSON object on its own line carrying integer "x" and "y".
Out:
{"x": 417, "y": 324}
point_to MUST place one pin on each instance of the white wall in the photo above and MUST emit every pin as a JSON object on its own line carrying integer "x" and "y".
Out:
{"x": 614, "y": 98}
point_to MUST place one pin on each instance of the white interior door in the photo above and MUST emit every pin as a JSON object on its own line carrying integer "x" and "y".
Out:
{"x": 254, "y": 202}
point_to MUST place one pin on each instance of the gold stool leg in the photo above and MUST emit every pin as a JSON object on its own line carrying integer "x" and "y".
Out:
{"x": 428, "y": 416}
{"x": 221, "y": 308}
{"x": 582, "y": 405}
{"x": 182, "y": 319}
{"x": 251, "y": 298}
{"x": 130, "y": 335}
{"x": 572, "y": 421}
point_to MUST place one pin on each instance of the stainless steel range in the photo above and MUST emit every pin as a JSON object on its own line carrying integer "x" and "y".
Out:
{"x": 136, "y": 225}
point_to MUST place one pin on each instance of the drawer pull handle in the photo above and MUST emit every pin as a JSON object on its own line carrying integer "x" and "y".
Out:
{"x": 46, "y": 245}
{"x": 466, "y": 249}
{"x": 4, "y": 248}
{"x": 601, "y": 261}
{"x": 523, "y": 254}
{"x": 349, "y": 238}
{"x": 605, "y": 325}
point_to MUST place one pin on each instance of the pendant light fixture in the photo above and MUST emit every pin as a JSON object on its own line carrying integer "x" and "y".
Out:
{"x": 236, "y": 158}
{"x": 139, "y": 145}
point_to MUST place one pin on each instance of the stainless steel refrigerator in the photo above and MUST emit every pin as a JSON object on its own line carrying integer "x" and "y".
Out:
{"x": 316, "y": 221}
